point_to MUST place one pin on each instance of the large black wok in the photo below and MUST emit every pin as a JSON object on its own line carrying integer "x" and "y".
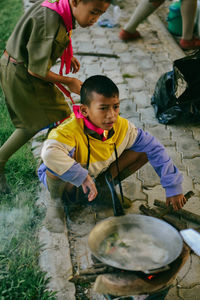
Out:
{"x": 134, "y": 242}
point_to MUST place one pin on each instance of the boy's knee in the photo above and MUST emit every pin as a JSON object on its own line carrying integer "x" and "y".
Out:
{"x": 143, "y": 157}
{"x": 55, "y": 185}
{"x": 52, "y": 176}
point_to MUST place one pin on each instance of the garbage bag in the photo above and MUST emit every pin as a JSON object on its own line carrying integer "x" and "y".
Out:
{"x": 176, "y": 97}
{"x": 163, "y": 99}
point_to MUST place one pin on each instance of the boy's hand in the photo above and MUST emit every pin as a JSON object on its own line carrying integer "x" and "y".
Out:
{"x": 88, "y": 184}
{"x": 74, "y": 85}
{"x": 75, "y": 65}
{"x": 177, "y": 201}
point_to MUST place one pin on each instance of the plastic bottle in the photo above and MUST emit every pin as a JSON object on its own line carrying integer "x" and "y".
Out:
{"x": 174, "y": 18}
{"x": 111, "y": 17}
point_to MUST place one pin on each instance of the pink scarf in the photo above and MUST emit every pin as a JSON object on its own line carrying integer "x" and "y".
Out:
{"x": 62, "y": 7}
{"x": 88, "y": 124}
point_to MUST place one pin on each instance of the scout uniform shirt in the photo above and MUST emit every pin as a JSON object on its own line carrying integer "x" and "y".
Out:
{"x": 37, "y": 41}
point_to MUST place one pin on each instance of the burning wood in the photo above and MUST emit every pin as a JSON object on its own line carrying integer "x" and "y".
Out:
{"x": 90, "y": 274}
{"x": 127, "y": 283}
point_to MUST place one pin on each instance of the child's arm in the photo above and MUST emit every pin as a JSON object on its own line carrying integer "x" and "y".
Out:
{"x": 88, "y": 184}
{"x": 75, "y": 65}
{"x": 170, "y": 177}
{"x": 57, "y": 158}
{"x": 177, "y": 201}
{"x": 73, "y": 84}
{"x": 77, "y": 176}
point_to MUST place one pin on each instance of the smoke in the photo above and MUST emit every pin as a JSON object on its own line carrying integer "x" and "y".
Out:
{"x": 15, "y": 221}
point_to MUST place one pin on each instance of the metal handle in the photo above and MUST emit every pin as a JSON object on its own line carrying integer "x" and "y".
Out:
{"x": 117, "y": 207}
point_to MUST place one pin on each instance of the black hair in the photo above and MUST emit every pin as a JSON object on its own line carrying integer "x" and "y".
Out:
{"x": 101, "y": 85}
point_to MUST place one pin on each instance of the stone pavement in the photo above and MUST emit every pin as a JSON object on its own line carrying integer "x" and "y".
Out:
{"x": 135, "y": 71}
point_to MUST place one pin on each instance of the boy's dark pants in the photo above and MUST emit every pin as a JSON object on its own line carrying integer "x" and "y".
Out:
{"x": 128, "y": 163}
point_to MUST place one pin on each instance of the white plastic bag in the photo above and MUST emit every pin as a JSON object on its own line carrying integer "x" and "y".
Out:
{"x": 192, "y": 238}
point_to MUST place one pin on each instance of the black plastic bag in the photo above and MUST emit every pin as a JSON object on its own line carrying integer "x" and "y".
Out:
{"x": 176, "y": 96}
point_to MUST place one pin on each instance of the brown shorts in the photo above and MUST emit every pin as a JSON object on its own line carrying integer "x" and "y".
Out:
{"x": 32, "y": 103}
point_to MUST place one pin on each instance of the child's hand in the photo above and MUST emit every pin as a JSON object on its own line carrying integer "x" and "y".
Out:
{"x": 75, "y": 65}
{"x": 88, "y": 184}
{"x": 74, "y": 85}
{"x": 177, "y": 201}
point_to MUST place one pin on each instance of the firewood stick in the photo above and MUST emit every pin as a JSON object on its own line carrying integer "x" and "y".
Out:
{"x": 147, "y": 211}
{"x": 151, "y": 212}
{"x": 169, "y": 209}
{"x": 90, "y": 274}
{"x": 182, "y": 212}
{"x": 179, "y": 225}
{"x": 97, "y": 54}
{"x": 83, "y": 278}
{"x": 91, "y": 271}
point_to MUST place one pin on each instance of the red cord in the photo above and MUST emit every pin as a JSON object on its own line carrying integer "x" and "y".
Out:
{"x": 65, "y": 91}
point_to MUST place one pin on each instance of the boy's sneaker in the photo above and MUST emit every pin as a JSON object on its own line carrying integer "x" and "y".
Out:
{"x": 127, "y": 36}
{"x": 190, "y": 44}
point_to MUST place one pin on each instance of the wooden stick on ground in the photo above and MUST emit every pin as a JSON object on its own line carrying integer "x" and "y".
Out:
{"x": 169, "y": 209}
{"x": 182, "y": 212}
{"x": 97, "y": 54}
{"x": 151, "y": 212}
{"x": 90, "y": 274}
{"x": 83, "y": 278}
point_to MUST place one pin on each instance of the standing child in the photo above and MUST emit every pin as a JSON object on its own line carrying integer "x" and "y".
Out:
{"x": 38, "y": 40}
{"x": 146, "y": 7}
{"x": 91, "y": 141}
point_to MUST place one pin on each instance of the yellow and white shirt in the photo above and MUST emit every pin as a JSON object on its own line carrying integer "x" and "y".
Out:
{"x": 68, "y": 144}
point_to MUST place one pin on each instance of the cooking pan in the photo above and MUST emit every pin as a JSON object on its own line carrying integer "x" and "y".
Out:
{"x": 134, "y": 242}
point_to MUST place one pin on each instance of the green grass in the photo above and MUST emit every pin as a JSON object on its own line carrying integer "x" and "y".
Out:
{"x": 20, "y": 275}
{"x": 10, "y": 11}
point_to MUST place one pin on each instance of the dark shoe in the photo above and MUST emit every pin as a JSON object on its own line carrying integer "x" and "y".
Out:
{"x": 190, "y": 44}
{"x": 127, "y": 203}
{"x": 127, "y": 36}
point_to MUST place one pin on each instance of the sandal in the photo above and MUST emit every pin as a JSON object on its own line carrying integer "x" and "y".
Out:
{"x": 127, "y": 36}
{"x": 190, "y": 44}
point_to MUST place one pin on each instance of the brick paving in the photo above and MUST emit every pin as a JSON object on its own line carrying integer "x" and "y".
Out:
{"x": 144, "y": 61}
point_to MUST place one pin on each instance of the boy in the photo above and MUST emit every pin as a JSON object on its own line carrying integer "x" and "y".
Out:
{"x": 41, "y": 36}
{"x": 91, "y": 141}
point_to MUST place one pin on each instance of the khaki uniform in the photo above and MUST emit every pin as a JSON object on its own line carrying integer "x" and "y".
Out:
{"x": 37, "y": 41}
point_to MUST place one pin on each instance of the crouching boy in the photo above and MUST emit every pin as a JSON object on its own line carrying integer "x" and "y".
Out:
{"x": 90, "y": 142}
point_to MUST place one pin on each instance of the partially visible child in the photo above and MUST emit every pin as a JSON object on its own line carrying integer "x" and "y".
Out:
{"x": 38, "y": 40}
{"x": 90, "y": 142}
{"x": 146, "y": 7}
